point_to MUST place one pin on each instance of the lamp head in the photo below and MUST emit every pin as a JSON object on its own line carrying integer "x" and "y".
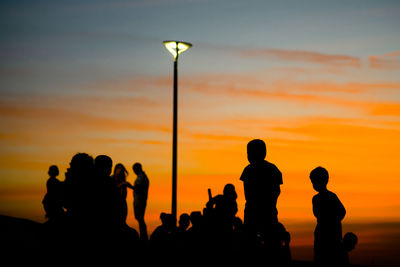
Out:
{"x": 176, "y": 47}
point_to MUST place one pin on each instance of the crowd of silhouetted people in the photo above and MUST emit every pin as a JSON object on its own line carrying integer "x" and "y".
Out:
{"x": 87, "y": 216}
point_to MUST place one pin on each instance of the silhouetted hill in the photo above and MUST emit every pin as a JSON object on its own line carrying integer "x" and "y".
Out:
{"x": 20, "y": 239}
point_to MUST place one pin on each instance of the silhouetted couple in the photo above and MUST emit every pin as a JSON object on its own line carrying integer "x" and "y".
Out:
{"x": 140, "y": 194}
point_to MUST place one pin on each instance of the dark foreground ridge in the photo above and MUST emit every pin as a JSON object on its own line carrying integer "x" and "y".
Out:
{"x": 24, "y": 241}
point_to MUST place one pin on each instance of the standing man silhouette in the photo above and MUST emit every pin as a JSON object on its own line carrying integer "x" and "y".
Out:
{"x": 261, "y": 181}
{"x": 140, "y": 193}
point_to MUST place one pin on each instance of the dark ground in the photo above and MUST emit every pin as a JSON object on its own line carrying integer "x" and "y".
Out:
{"x": 22, "y": 242}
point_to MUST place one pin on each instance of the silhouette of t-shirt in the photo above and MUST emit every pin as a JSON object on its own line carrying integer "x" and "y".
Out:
{"x": 261, "y": 189}
{"x": 329, "y": 212}
{"x": 141, "y": 186}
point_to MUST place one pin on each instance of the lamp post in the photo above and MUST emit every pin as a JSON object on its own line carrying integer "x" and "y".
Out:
{"x": 175, "y": 48}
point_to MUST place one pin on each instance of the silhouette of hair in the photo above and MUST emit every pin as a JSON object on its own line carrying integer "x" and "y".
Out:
{"x": 349, "y": 241}
{"x": 120, "y": 172}
{"x": 103, "y": 164}
{"x": 137, "y": 168}
{"x": 229, "y": 190}
{"x": 81, "y": 161}
{"x": 256, "y": 150}
{"x": 319, "y": 176}
{"x": 53, "y": 170}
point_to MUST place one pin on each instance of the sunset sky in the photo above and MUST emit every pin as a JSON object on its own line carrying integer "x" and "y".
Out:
{"x": 318, "y": 81}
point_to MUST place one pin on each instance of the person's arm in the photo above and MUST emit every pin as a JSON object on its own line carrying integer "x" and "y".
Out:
{"x": 315, "y": 205}
{"x": 129, "y": 185}
{"x": 341, "y": 211}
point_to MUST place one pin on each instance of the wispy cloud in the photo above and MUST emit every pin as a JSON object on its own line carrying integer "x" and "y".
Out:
{"x": 388, "y": 61}
{"x": 303, "y": 56}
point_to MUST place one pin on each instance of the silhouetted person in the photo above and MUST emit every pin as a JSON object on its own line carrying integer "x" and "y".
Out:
{"x": 162, "y": 238}
{"x": 224, "y": 208}
{"x": 119, "y": 177}
{"x": 107, "y": 194}
{"x": 282, "y": 236}
{"x": 140, "y": 194}
{"x": 329, "y": 212}
{"x": 261, "y": 180}
{"x": 349, "y": 242}
{"x": 53, "y": 200}
{"x": 79, "y": 197}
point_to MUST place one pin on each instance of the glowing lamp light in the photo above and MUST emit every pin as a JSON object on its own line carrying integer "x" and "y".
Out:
{"x": 176, "y": 47}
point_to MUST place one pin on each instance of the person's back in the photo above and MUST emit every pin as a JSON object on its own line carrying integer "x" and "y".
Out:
{"x": 329, "y": 212}
{"x": 261, "y": 180}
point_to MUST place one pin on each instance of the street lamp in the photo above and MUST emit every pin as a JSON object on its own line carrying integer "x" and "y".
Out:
{"x": 175, "y": 48}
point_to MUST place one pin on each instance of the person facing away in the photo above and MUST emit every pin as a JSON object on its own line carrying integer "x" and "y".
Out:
{"x": 119, "y": 177}
{"x": 329, "y": 212}
{"x": 261, "y": 180}
{"x": 140, "y": 194}
{"x": 53, "y": 199}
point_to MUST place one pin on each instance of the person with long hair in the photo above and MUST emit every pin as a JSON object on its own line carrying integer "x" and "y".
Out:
{"x": 119, "y": 176}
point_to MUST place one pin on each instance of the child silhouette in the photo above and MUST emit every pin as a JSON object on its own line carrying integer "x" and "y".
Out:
{"x": 329, "y": 212}
{"x": 261, "y": 181}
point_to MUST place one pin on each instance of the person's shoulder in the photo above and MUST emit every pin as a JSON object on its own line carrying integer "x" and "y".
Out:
{"x": 271, "y": 165}
{"x": 330, "y": 194}
{"x": 245, "y": 172}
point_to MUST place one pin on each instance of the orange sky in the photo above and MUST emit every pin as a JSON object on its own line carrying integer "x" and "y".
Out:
{"x": 318, "y": 82}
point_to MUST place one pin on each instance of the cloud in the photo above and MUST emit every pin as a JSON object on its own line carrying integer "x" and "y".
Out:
{"x": 388, "y": 61}
{"x": 290, "y": 55}
{"x": 60, "y": 119}
{"x": 303, "y": 56}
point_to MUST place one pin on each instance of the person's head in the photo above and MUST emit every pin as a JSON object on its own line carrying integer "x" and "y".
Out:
{"x": 81, "y": 162}
{"x": 103, "y": 165}
{"x": 349, "y": 241}
{"x": 319, "y": 178}
{"x": 167, "y": 220}
{"x": 120, "y": 172}
{"x": 53, "y": 171}
{"x": 196, "y": 218}
{"x": 256, "y": 150}
{"x": 137, "y": 168}
{"x": 184, "y": 221}
{"x": 229, "y": 191}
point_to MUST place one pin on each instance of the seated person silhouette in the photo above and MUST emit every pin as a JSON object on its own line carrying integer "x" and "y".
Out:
{"x": 183, "y": 225}
{"x": 329, "y": 212}
{"x": 283, "y": 255}
{"x": 349, "y": 242}
{"x": 223, "y": 208}
{"x": 261, "y": 181}
{"x": 162, "y": 238}
{"x": 54, "y": 198}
